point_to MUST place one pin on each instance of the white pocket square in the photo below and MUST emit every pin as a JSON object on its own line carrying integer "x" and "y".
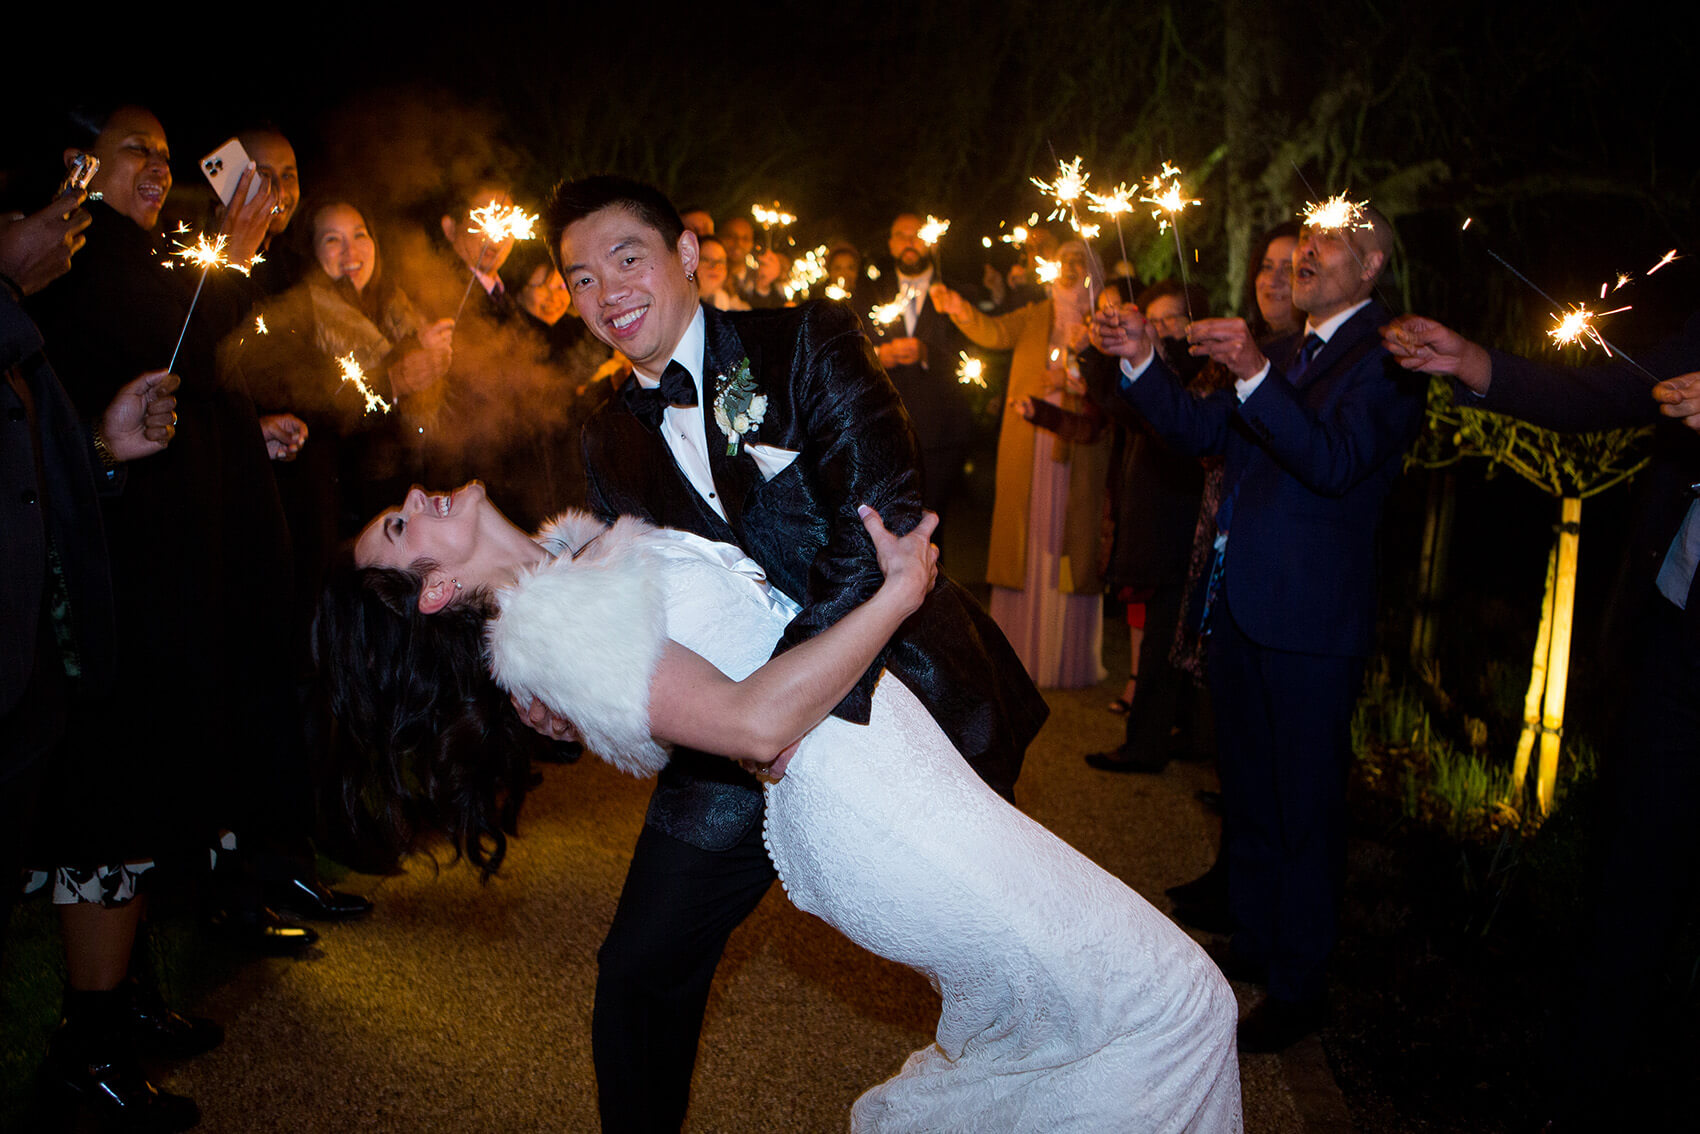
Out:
{"x": 770, "y": 459}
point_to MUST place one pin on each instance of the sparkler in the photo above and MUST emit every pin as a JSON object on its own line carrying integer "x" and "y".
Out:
{"x": 1114, "y": 205}
{"x": 769, "y": 219}
{"x": 1046, "y": 270}
{"x": 1065, "y": 190}
{"x": 885, "y": 314}
{"x": 972, "y": 372}
{"x": 930, "y": 234}
{"x": 806, "y": 271}
{"x": 1577, "y": 323}
{"x": 260, "y": 325}
{"x": 352, "y": 373}
{"x": 209, "y": 254}
{"x": 496, "y": 223}
{"x": 1165, "y": 190}
{"x": 1338, "y": 214}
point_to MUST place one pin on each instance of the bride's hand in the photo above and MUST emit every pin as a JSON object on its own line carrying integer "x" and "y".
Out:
{"x": 771, "y": 771}
{"x": 910, "y": 563}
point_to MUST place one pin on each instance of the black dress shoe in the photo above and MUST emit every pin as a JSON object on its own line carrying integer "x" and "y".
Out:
{"x": 1118, "y": 760}
{"x": 1211, "y": 917}
{"x": 1208, "y": 888}
{"x": 155, "y": 1029}
{"x": 316, "y": 901}
{"x": 1275, "y": 1025}
{"x": 117, "y": 1092}
{"x": 1237, "y": 966}
{"x": 262, "y": 931}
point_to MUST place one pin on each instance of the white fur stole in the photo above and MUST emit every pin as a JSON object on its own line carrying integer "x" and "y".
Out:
{"x": 583, "y": 635}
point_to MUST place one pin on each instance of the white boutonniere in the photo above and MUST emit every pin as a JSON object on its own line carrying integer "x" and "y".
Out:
{"x": 738, "y": 409}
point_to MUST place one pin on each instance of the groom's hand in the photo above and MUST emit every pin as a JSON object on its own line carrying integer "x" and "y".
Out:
{"x": 540, "y": 720}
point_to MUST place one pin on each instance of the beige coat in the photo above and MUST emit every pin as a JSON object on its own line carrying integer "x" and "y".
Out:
{"x": 1027, "y": 331}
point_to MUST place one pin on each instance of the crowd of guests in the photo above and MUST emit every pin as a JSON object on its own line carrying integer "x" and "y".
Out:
{"x": 1135, "y": 436}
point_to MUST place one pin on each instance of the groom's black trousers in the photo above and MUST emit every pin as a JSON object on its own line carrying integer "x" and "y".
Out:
{"x": 679, "y": 905}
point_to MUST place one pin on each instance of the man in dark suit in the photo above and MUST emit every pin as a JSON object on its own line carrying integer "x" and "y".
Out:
{"x": 764, "y": 429}
{"x": 1313, "y": 436}
{"x": 1649, "y": 848}
{"x": 919, "y": 350}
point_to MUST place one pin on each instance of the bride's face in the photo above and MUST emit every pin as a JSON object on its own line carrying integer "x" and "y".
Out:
{"x": 460, "y": 531}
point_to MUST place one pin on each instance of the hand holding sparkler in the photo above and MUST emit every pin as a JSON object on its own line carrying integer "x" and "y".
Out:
{"x": 285, "y": 434}
{"x": 1229, "y": 342}
{"x": 1122, "y": 332}
{"x": 418, "y": 370}
{"x": 1434, "y": 348}
{"x": 141, "y": 419}
{"x": 1679, "y": 397}
{"x": 948, "y": 302}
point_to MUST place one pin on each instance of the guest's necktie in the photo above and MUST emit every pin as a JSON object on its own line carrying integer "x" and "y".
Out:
{"x": 648, "y": 404}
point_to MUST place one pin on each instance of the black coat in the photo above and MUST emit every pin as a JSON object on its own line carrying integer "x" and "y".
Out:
{"x": 828, "y": 401}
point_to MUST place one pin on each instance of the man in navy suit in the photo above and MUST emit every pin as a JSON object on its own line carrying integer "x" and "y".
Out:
{"x": 1314, "y": 434}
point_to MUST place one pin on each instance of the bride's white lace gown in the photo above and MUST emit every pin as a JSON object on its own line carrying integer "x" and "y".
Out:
{"x": 1070, "y": 1004}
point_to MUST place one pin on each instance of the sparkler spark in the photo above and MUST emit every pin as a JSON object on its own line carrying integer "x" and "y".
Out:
{"x": 972, "y": 372}
{"x": 806, "y": 271}
{"x": 1577, "y": 325}
{"x": 1663, "y": 260}
{"x": 206, "y": 253}
{"x": 1337, "y": 214}
{"x": 885, "y": 314}
{"x": 772, "y": 218}
{"x": 260, "y": 325}
{"x": 497, "y": 222}
{"x": 1066, "y": 189}
{"x": 1114, "y": 203}
{"x": 352, "y": 372}
{"x": 1046, "y": 270}
{"x": 1165, "y": 190}
{"x": 1016, "y": 235}
{"x": 932, "y": 230}
{"x": 833, "y": 291}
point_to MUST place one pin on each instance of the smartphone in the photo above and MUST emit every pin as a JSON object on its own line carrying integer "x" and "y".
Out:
{"x": 83, "y": 168}
{"x": 223, "y": 168}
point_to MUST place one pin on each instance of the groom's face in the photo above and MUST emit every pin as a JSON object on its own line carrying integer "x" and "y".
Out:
{"x": 630, "y": 286}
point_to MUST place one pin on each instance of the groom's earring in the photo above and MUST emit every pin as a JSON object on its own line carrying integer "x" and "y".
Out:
{"x": 457, "y": 584}
{"x": 690, "y": 277}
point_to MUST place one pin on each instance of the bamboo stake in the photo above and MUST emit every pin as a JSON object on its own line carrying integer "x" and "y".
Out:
{"x": 1537, "y": 684}
{"x": 1558, "y": 664}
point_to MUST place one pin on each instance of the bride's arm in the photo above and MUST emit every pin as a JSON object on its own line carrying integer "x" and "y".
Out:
{"x": 694, "y": 704}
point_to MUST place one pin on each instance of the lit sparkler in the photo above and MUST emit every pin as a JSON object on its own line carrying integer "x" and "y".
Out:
{"x": 260, "y": 325}
{"x": 1046, "y": 270}
{"x": 1577, "y": 325}
{"x": 806, "y": 271}
{"x": 770, "y": 219}
{"x": 352, "y": 373}
{"x": 933, "y": 230}
{"x": 1066, "y": 190}
{"x": 209, "y": 254}
{"x": 1114, "y": 205}
{"x": 971, "y": 372}
{"x": 1165, "y": 193}
{"x": 497, "y": 222}
{"x": 834, "y": 291}
{"x": 1338, "y": 214}
{"x": 885, "y": 314}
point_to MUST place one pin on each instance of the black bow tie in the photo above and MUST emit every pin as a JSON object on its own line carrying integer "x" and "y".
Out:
{"x": 677, "y": 388}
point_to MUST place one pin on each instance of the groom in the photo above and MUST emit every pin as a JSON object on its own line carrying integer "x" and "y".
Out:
{"x": 763, "y": 429}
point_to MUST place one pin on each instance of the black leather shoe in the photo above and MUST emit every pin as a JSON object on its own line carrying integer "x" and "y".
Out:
{"x": 1209, "y": 888}
{"x": 316, "y": 901}
{"x": 1209, "y": 918}
{"x": 1118, "y": 760}
{"x": 1275, "y": 1025}
{"x": 264, "y": 932}
{"x": 155, "y": 1029}
{"x": 117, "y": 1092}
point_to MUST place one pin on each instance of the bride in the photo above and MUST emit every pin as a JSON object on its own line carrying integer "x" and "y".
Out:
{"x": 1069, "y": 1003}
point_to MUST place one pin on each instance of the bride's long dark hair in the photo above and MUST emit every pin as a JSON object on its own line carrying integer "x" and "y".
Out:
{"x": 423, "y": 740}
